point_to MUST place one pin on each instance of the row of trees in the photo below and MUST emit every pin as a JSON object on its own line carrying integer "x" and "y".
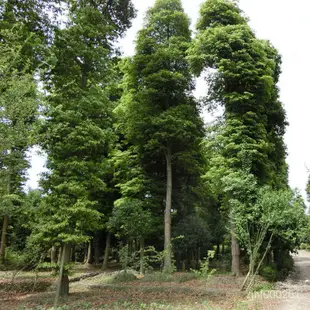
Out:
{"x": 128, "y": 154}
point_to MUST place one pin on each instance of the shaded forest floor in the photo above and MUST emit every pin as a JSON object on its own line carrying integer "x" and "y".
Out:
{"x": 36, "y": 291}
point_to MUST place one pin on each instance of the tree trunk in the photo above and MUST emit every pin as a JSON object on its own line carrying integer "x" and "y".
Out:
{"x": 106, "y": 252}
{"x": 54, "y": 259}
{"x": 198, "y": 256}
{"x": 63, "y": 283}
{"x": 235, "y": 255}
{"x": 167, "y": 245}
{"x": 141, "y": 255}
{"x": 88, "y": 259}
{"x": 85, "y": 253}
{"x": 54, "y": 254}
{"x": 59, "y": 256}
{"x": 73, "y": 254}
{"x": 4, "y": 238}
{"x": 217, "y": 253}
{"x": 96, "y": 249}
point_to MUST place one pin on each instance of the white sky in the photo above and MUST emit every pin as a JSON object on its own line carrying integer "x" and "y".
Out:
{"x": 287, "y": 25}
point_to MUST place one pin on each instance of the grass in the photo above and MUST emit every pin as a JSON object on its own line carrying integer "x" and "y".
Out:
{"x": 263, "y": 286}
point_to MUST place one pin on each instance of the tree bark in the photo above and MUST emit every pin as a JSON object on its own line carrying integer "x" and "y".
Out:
{"x": 217, "y": 252}
{"x": 96, "y": 249}
{"x": 198, "y": 256}
{"x": 73, "y": 254}
{"x": 106, "y": 252}
{"x": 4, "y": 238}
{"x": 141, "y": 255}
{"x": 54, "y": 254}
{"x": 63, "y": 283}
{"x": 85, "y": 253}
{"x": 167, "y": 220}
{"x": 59, "y": 255}
{"x": 88, "y": 259}
{"x": 235, "y": 255}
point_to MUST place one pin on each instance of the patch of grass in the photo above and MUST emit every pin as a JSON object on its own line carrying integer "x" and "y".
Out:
{"x": 269, "y": 273}
{"x": 263, "y": 286}
{"x": 158, "y": 277}
{"x": 121, "y": 277}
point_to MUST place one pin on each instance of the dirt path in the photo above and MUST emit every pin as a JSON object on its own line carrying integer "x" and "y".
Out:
{"x": 294, "y": 294}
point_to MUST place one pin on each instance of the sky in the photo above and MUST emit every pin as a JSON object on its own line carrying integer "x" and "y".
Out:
{"x": 287, "y": 25}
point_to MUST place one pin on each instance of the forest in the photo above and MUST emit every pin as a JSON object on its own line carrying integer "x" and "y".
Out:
{"x": 136, "y": 180}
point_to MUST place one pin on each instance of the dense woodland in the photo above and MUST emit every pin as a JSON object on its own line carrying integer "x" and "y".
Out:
{"x": 135, "y": 177}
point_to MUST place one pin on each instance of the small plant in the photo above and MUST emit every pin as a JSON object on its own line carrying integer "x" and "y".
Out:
{"x": 127, "y": 259}
{"x": 269, "y": 273}
{"x": 204, "y": 272}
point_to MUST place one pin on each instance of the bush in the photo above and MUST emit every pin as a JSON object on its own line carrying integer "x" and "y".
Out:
{"x": 269, "y": 273}
{"x": 15, "y": 260}
{"x": 205, "y": 272}
{"x": 285, "y": 266}
{"x": 304, "y": 246}
{"x": 222, "y": 265}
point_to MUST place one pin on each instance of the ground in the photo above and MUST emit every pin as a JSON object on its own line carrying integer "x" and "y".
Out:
{"x": 36, "y": 291}
{"x": 28, "y": 290}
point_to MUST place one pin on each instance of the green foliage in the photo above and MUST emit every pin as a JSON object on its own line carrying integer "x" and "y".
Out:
{"x": 204, "y": 271}
{"x": 195, "y": 232}
{"x": 126, "y": 259}
{"x": 244, "y": 82}
{"x": 130, "y": 218}
{"x": 15, "y": 260}
{"x": 78, "y": 133}
{"x": 267, "y": 286}
{"x": 157, "y": 111}
{"x": 269, "y": 273}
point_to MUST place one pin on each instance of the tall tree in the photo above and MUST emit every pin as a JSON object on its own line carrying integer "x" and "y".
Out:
{"x": 78, "y": 132}
{"x": 158, "y": 111}
{"x": 244, "y": 83}
{"x": 18, "y": 111}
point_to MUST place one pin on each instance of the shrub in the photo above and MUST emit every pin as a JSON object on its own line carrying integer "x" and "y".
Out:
{"x": 269, "y": 273}
{"x": 15, "y": 260}
{"x": 285, "y": 266}
{"x": 204, "y": 271}
{"x": 304, "y": 246}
